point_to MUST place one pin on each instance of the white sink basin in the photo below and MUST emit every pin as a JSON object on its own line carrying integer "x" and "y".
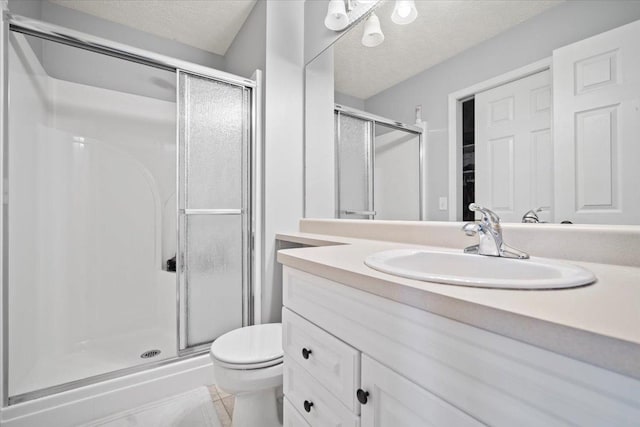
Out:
{"x": 478, "y": 270}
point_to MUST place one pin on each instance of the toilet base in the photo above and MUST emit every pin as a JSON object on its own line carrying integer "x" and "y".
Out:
{"x": 258, "y": 408}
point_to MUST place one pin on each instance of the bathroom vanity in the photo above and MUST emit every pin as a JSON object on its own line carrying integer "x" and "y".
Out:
{"x": 365, "y": 348}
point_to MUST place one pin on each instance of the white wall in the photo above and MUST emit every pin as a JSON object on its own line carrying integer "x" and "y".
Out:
{"x": 283, "y": 139}
{"x": 343, "y": 98}
{"x": 397, "y": 175}
{"x": 320, "y": 185}
{"x": 528, "y": 42}
{"x": 247, "y": 52}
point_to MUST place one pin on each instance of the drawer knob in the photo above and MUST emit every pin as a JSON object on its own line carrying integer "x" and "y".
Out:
{"x": 305, "y": 353}
{"x": 308, "y": 405}
{"x": 362, "y": 396}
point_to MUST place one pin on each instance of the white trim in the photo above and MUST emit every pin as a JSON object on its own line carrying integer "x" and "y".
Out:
{"x": 455, "y": 113}
{"x": 257, "y": 208}
{"x": 4, "y": 137}
{"x": 84, "y": 404}
{"x": 424, "y": 175}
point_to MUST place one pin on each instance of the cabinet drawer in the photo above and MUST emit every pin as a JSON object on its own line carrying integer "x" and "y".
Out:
{"x": 322, "y": 408}
{"x": 292, "y": 417}
{"x": 330, "y": 361}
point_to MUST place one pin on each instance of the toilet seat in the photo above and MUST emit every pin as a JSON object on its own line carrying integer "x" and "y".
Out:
{"x": 251, "y": 347}
{"x": 258, "y": 365}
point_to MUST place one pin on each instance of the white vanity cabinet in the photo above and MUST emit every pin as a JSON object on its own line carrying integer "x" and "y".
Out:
{"x": 326, "y": 381}
{"x": 410, "y": 367}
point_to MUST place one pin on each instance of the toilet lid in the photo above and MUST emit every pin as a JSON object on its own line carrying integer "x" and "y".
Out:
{"x": 249, "y": 345}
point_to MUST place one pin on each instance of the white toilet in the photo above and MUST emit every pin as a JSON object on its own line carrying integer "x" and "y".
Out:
{"x": 247, "y": 362}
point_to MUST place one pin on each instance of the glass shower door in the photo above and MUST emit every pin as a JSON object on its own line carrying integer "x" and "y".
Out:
{"x": 354, "y": 156}
{"x": 214, "y": 120}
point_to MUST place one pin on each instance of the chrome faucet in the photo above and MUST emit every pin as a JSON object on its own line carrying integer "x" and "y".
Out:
{"x": 531, "y": 216}
{"x": 490, "y": 233}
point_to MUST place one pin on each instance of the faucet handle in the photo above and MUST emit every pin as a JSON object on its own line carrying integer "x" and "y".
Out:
{"x": 470, "y": 228}
{"x": 487, "y": 214}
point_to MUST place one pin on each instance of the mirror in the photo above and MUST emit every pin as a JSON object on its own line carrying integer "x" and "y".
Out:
{"x": 519, "y": 112}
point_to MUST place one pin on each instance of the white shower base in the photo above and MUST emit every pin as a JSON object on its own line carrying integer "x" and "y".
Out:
{"x": 95, "y": 357}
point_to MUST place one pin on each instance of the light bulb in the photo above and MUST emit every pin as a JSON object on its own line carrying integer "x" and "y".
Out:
{"x": 404, "y": 12}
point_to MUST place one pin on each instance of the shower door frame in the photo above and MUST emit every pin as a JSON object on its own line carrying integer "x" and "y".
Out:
{"x": 372, "y": 120}
{"x": 182, "y": 305}
{"x": 251, "y": 288}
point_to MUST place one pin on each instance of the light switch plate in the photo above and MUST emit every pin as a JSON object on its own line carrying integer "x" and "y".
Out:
{"x": 443, "y": 203}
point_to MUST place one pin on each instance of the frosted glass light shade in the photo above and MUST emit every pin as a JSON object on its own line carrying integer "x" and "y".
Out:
{"x": 336, "y": 18}
{"x": 372, "y": 35}
{"x": 404, "y": 12}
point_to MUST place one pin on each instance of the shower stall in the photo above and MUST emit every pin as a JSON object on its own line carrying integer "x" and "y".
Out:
{"x": 128, "y": 215}
{"x": 379, "y": 167}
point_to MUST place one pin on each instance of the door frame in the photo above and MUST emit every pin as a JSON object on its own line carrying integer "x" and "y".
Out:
{"x": 455, "y": 125}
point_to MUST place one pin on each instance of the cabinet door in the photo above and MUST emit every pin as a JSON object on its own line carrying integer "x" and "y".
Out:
{"x": 395, "y": 401}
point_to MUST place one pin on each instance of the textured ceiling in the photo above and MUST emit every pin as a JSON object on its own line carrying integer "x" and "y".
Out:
{"x": 210, "y": 25}
{"x": 442, "y": 30}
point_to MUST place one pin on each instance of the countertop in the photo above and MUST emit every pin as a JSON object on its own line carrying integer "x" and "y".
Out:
{"x": 598, "y": 324}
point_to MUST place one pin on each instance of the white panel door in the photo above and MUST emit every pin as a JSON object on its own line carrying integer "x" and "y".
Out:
{"x": 514, "y": 153}
{"x": 597, "y": 128}
{"x": 395, "y": 401}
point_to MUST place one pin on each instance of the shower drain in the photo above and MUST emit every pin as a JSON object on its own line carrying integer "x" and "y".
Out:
{"x": 150, "y": 353}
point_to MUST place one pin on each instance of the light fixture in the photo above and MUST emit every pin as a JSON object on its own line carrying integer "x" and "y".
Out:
{"x": 372, "y": 35}
{"x": 336, "y": 18}
{"x": 404, "y": 12}
{"x": 340, "y": 13}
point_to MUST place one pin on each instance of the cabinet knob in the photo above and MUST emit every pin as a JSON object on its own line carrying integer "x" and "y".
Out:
{"x": 362, "y": 396}
{"x": 306, "y": 352}
{"x": 308, "y": 405}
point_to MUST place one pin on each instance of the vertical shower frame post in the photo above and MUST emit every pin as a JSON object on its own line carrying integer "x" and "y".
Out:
{"x": 4, "y": 136}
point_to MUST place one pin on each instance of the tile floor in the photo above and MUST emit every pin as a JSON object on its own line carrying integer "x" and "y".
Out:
{"x": 223, "y": 403}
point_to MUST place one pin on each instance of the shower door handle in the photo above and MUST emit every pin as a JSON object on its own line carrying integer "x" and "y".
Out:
{"x": 367, "y": 213}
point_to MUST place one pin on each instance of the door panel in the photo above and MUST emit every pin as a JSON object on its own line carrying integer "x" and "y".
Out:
{"x": 214, "y": 208}
{"x": 597, "y": 123}
{"x": 513, "y": 156}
